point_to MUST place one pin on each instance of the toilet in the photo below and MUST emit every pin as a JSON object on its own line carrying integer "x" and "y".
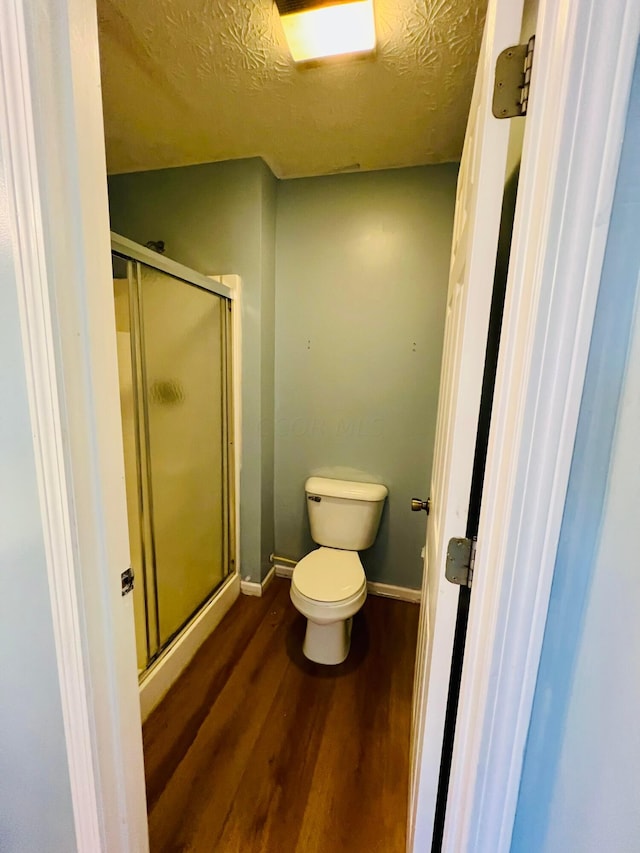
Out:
{"x": 329, "y": 586}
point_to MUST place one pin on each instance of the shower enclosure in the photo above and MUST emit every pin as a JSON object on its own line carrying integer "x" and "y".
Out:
{"x": 174, "y": 363}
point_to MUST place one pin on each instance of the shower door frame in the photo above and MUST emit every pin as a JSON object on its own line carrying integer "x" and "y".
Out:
{"x": 203, "y": 619}
{"x": 135, "y": 252}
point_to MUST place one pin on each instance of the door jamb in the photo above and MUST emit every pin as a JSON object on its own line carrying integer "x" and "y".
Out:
{"x": 17, "y": 144}
{"x": 582, "y": 72}
{"x": 52, "y": 144}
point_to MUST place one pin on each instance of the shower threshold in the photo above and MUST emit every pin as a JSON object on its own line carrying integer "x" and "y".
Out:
{"x": 162, "y": 673}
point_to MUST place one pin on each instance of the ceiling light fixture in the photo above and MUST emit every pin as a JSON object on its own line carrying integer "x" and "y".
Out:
{"x": 316, "y": 29}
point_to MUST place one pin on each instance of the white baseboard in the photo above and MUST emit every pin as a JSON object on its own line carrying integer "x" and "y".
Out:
{"x": 255, "y": 588}
{"x": 401, "y": 593}
{"x": 251, "y": 588}
{"x": 384, "y": 590}
{"x": 269, "y": 577}
{"x": 283, "y": 571}
{"x": 162, "y": 674}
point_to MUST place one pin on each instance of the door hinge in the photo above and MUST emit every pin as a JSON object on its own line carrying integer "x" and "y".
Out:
{"x": 127, "y": 579}
{"x": 461, "y": 558}
{"x": 513, "y": 80}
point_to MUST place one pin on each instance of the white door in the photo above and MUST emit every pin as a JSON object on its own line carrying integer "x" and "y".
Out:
{"x": 473, "y": 255}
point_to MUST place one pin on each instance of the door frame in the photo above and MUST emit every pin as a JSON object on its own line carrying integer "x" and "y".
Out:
{"x": 51, "y": 133}
{"x": 567, "y": 181}
{"x": 476, "y": 228}
{"x": 52, "y": 147}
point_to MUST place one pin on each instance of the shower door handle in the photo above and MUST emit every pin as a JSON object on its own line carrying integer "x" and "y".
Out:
{"x": 127, "y": 580}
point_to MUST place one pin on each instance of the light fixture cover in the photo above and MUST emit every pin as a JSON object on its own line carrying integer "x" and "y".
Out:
{"x": 315, "y": 30}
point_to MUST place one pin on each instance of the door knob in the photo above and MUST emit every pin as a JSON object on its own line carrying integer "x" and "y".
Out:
{"x": 417, "y": 505}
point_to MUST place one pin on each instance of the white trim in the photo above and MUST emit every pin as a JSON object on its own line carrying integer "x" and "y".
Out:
{"x": 253, "y": 588}
{"x": 234, "y": 284}
{"x": 582, "y": 73}
{"x": 283, "y": 571}
{"x": 130, "y": 249}
{"x": 55, "y": 77}
{"x": 164, "y": 672}
{"x": 266, "y": 581}
{"x": 401, "y": 593}
{"x": 32, "y": 275}
{"x": 384, "y": 590}
{"x": 476, "y": 230}
{"x": 249, "y": 587}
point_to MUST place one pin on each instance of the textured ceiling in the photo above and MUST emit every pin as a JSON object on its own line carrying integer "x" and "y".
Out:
{"x": 195, "y": 81}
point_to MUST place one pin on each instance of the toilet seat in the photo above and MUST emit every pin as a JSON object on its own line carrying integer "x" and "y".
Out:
{"x": 328, "y": 586}
{"x": 329, "y": 576}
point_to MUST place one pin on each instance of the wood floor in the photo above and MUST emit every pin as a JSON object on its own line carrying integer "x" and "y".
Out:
{"x": 257, "y": 749}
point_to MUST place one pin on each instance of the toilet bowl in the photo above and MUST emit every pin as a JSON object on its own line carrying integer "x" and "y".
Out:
{"x": 328, "y": 585}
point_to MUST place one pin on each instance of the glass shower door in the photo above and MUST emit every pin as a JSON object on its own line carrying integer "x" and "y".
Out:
{"x": 174, "y": 369}
{"x": 183, "y": 347}
{"x": 124, "y": 272}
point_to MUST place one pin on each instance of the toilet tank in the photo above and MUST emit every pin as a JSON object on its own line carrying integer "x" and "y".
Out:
{"x": 344, "y": 514}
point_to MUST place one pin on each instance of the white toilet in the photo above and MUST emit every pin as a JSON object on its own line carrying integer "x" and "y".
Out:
{"x": 329, "y": 585}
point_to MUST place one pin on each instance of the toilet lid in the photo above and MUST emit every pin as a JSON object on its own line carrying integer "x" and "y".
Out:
{"x": 329, "y": 574}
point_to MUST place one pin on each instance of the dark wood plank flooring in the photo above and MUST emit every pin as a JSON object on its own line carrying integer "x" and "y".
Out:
{"x": 256, "y": 748}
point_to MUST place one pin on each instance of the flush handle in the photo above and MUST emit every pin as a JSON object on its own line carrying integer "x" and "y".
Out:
{"x": 417, "y": 505}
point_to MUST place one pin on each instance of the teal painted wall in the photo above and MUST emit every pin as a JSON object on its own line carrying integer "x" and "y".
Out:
{"x": 579, "y": 788}
{"x": 36, "y": 811}
{"x": 220, "y": 218}
{"x": 356, "y": 264}
{"x": 361, "y": 267}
